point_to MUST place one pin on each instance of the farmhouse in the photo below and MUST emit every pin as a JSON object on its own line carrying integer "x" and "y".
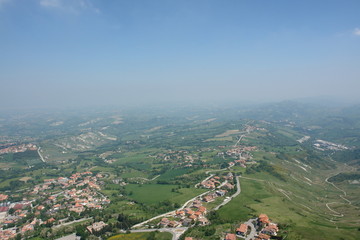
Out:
{"x": 203, "y": 221}
{"x": 230, "y": 236}
{"x": 208, "y": 198}
{"x": 173, "y": 224}
{"x": 262, "y": 236}
{"x": 3, "y": 197}
{"x": 263, "y": 220}
{"x": 164, "y": 222}
{"x": 271, "y": 229}
{"x": 202, "y": 209}
{"x": 241, "y": 231}
{"x": 96, "y": 226}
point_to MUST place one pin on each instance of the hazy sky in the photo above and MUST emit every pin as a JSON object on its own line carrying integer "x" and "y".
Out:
{"x": 98, "y": 52}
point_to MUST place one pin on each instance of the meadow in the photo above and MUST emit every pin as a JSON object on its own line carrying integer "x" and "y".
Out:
{"x": 142, "y": 236}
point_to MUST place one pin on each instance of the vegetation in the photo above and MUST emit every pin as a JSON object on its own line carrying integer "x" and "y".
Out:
{"x": 151, "y": 162}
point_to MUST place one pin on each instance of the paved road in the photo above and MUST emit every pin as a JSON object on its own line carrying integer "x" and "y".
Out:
{"x": 197, "y": 185}
{"x": 42, "y": 159}
{"x": 252, "y": 234}
{"x": 241, "y": 137}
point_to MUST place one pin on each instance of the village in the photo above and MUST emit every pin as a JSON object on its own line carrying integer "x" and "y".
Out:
{"x": 13, "y": 148}
{"x": 54, "y": 202}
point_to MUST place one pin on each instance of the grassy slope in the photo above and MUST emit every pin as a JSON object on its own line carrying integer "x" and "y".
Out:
{"x": 305, "y": 219}
{"x": 154, "y": 193}
{"x": 141, "y": 236}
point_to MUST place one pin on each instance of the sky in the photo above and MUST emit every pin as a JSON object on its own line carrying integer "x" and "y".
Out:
{"x": 69, "y": 53}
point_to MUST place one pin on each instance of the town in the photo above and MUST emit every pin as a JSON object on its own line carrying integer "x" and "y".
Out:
{"x": 55, "y": 202}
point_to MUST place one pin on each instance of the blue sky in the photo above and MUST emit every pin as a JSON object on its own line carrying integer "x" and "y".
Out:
{"x": 94, "y": 52}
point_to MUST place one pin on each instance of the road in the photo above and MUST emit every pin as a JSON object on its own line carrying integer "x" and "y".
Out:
{"x": 239, "y": 140}
{"x": 146, "y": 179}
{"x": 41, "y": 157}
{"x": 252, "y": 234}
{"x": 197, "y": 185}
{"x": 75, "y": 221}
{"x": 342, "y": 196}
{"x": 344, "y": 193}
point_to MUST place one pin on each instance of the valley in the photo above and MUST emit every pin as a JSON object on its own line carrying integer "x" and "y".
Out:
{"x": 163, "y": 172}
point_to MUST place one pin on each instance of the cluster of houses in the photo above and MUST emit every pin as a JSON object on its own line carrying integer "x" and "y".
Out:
{"x": 77, "y": 193}
{"x": 19, "y": 148}
{"x": 187, "y": 216}
{"x": 265, "y": 229}
{"x": 13, "y": 212}
{"x": 211, "y": 183}
{"x": 75, "y": 180}
{"x": 238, "y": 151}
{"x": 242, "y": 154}
{"x": 8, "y": 233}
{"x": 214, "y": 182}
{"x": 80, "y": 192}
{"x": 325, "y": 145}
{"x": 181, "y": 157}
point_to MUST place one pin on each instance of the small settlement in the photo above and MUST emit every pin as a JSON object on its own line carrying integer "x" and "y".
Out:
{"x": 46, "y": 202}
{"x": 264, "y": 229}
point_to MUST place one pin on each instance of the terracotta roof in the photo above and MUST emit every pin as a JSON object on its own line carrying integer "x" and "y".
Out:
{"x": 230, "y": 236}
{"x": 263, "y": 236}
{"x": 192, "y": 217}
{"x": 202, "y": 209}
{"x": 263, "y": 218}
{"x": 18, "y": 206}
{"x": 4, "y": 209}
{"x": 242, "y": 228}
{"x": 198, "y": 213}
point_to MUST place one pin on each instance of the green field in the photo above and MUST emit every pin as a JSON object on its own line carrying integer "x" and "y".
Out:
{"x": 155, "y": 193}
{"x": 142, "y": 236}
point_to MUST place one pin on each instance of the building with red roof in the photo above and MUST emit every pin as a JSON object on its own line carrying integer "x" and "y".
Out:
{"x": 230, "y": 236}
{"x": 242, "y": 230}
